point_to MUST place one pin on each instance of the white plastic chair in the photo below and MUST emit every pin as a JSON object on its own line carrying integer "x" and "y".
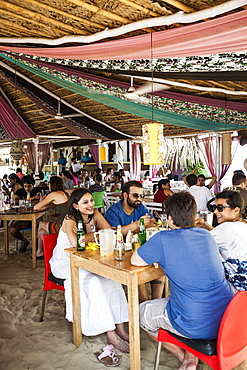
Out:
{"x": 153, "y": 206}
{"x": 109, "y": 200}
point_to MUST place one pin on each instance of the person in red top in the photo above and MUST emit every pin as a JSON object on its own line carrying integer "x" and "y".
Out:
{"x": 163, "y": 192}
{"x": 19, "y": 173}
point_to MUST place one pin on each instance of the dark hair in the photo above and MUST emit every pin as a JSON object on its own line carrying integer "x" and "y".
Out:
{"x": 202, "y": 176}
{"x": 98, "y": 170}
{"x": 238, "y": 178}
{"x": 67, "y": 174}
{"x": 191, "y": 179}
{"x": 182, "y": 208}
{"x": 56, "y": 183}
{"x": 109, "y": 170}
{"x": 233, "y": 199}
{"x": 126, "y": 187}
{"x": 98, "y": 177}
{"x": 238, "y": 171}
{"x": 18, "y": 170}
{"x": 28, "y": 179}
{"x": 13, "y": 176}
{"x": 75, "y": 197}
{"x": 162, "y": 182}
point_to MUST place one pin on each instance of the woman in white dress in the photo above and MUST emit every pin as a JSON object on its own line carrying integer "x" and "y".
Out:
{"x": 231, "y": 236}
{"x": 104, "y": 305}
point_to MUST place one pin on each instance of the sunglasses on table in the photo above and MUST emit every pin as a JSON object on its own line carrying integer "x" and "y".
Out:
{"x": 136, "y": 195}
{"x": 220, "y": 207}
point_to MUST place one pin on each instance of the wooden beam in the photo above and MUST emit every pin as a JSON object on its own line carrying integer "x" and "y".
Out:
{"x": 139, "y": 7}
{"x": 100, "y": 11}
{"x": 179, "y": 5}
{"x": 14, "y": 15}
{"x": 66, "y": 14}
{"x": 16, "y": 26}
{"x": 42, "y": 18}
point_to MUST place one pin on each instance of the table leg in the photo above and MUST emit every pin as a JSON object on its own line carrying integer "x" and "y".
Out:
{"x": 34, "y": 261}
{"x": 76, "y": 303}
{"x": 6, "y": 237}
{"x": 134, "y": 329}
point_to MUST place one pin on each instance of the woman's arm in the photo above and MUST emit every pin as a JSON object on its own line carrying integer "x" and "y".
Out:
{"x": 44, "y": 202}
{"x": 68, "y": 226}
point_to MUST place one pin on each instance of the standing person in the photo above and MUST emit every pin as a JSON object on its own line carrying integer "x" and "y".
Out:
{"x": 58, "y": 199}
{"x": 86, "y": 158}
{"x": 62, "y": 162}
{"x": 76, "y": 166}
{"x": 104, "y": 307}
{"x": 201, "y": 181}
{"x": 201, "y": 193}
{"x": 19, "y": 173}
{"x": 164, "y": 191}
{"x": 21, "y": 193}
{"x": 128, "y": 213}
{"x": 230, "y": 236}
{"x": 199, "y": 292}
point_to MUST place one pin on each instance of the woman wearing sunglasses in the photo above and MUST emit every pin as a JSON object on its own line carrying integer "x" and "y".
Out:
{"x": 230, "y": 235}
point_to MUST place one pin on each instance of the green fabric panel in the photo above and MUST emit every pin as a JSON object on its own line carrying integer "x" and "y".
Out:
{"x": 131, "y": 107}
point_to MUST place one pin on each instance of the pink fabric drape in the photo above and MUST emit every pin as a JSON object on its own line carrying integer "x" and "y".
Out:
{"x": 12, "y": 122}
{"x": 44, "y": 150}
{"x": 210, "y": 148}
{"x": 30, "y": 155}
{"x": 221, "y": 35}
{"x": 135, "y": 164}
{"x": 94, "y": 148}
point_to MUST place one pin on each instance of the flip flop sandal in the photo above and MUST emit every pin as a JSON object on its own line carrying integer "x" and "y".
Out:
{"x": 108, "y": 357}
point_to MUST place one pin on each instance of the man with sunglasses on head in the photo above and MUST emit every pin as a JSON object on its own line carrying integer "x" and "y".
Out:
{"x": 127, "y": 213}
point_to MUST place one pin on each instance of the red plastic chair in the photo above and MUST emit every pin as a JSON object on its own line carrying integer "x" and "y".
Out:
{"x": 230, "y": 347}
{"x": 50, "y": 281}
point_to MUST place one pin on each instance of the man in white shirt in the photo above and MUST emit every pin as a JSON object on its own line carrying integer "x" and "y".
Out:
{"x": 75, "y": 165}
{"x": 201, "y": 193}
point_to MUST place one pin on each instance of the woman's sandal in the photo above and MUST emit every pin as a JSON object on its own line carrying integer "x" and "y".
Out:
{"x": 108, "y": 357}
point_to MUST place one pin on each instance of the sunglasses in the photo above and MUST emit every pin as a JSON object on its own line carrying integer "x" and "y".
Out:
{"x": 220, "y": 207}
{"x": 136, "y": 195}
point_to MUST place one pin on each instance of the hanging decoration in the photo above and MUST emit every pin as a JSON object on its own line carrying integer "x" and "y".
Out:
{"x": 153, "y": 143}
{"x": 17, "y": 149}
{"x": 226, "y": 148}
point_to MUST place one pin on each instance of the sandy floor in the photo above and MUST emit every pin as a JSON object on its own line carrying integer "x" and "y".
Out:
{"x": 26, "y": 343}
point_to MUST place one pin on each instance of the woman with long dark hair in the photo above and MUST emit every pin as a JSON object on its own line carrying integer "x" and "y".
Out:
{"x": 164, "y": 191}
{"x": 58, "y": 199}
{"x": 104, "y": 307}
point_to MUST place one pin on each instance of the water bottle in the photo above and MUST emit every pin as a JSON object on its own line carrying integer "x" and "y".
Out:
{"x": 119, "y": 250}
{"x": 80, "y": 237}
{"x": 135, "y": 242}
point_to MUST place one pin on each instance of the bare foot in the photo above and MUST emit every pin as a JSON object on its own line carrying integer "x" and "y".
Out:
{"x": 188, "y": 365}
{"x": 120, "y": 329}
{"x": 117, "y": 342}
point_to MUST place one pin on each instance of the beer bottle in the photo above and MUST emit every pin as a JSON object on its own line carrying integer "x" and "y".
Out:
{"x": 80, "y": 237}
{"x": 119, "y": 250}
{"x": 142, "y": 232}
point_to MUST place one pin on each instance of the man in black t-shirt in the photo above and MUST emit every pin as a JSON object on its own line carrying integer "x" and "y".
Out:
{"x": 35, "y": 196}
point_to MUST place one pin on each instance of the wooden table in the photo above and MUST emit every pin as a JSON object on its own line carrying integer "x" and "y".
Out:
{"x": 124, "y": 273}
{"x": 21, "y": 216}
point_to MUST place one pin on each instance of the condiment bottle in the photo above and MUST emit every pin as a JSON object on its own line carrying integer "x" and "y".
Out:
{"x": 142, "y": 232}
{"x": 80, "y": 237}
{"x": 28, "y": 200}
{"x": 12, "y": 198}
{"x": 119, "y": 250}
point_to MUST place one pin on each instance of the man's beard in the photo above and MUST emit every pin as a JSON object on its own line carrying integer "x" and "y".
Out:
{"x": 133, "y": 204}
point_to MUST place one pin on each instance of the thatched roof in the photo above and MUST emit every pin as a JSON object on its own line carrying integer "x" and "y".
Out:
{"x": 47, "y": 20}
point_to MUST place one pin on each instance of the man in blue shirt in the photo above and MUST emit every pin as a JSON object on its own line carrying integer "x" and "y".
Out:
{"x": 199, "y": 292}
{"x": 127, "y": 213}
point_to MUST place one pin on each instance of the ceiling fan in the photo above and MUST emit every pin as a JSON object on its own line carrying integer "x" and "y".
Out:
{"x": 150, "y": 87}
{"x": 59, "y": 115}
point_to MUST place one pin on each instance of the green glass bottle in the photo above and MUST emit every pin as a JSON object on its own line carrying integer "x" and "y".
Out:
{"x": 142, "y": 232}
{"x": 80, "y": 237}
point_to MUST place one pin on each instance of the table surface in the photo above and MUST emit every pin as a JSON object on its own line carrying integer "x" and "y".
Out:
{"x": 121, "y": 271}
{"x": 25, "y": 215}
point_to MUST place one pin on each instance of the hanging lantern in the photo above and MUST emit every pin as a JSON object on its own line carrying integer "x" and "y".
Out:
{"x": 17, "y": 149}
{"x": 153, "y": 143}
{"x": 226, "y": 155}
